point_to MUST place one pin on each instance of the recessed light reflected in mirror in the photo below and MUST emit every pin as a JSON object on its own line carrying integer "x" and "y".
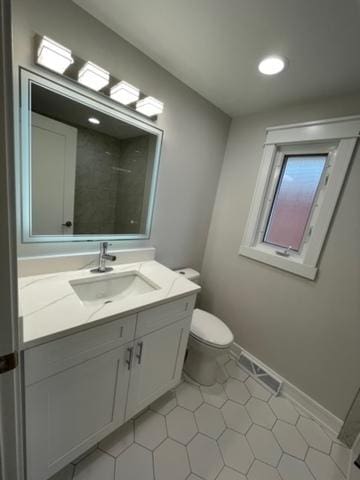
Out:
{"x": 272, "y": 65}
{"x": 94, "y": 121}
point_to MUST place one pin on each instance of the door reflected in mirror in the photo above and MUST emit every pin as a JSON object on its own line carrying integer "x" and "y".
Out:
{"x": 92, "y": 174}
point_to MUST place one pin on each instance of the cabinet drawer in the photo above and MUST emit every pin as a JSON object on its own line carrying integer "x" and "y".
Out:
{"x": 157, "y": 317}
{"x": 58, "y": 355}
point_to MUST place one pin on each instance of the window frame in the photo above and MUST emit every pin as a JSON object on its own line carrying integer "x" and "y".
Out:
{"x": 336, "y": 138}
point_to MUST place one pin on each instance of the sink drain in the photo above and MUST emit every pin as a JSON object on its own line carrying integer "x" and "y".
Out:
{"x": 107, "y": 301}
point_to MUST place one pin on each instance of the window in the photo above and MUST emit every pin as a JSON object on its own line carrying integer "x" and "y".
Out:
{"x": 299, "y": 182}
{"x": 294, "y": 199}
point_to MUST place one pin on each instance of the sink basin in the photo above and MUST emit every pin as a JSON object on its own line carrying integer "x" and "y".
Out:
{"x": 112, "y": 288}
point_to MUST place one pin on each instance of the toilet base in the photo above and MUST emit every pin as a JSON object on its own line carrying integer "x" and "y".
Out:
{"x": 201, "y": 363}
{"x": 201, "y": 369}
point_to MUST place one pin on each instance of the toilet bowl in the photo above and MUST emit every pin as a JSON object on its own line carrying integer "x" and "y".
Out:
{"x": 209, "y": 338}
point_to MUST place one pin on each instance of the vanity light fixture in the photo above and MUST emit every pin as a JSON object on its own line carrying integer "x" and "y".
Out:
{"x": 149, "y": 106}
{"x": 94, "y": 121}
{"x": 93, "y": 76}
{"x": 58, "y": 58}
{"x": 53, "y": 56}
{"x": 272, "y": 65}
{"x": 124, "y": 93}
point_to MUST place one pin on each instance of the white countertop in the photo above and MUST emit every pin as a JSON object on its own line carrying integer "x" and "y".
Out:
{"x": 49, "y": 307}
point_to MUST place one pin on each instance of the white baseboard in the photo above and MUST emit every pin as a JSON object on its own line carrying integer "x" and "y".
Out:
{"x": 298, "y": 397}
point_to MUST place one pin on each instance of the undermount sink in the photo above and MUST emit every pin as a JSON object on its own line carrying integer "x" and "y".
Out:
{"x": 112, "y": 287}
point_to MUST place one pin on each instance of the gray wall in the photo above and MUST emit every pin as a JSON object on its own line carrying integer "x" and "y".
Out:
{"x": 306, "y": 331}
{"x": 194, "y": 138}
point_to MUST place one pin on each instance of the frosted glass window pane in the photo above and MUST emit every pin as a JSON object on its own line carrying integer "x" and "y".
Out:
{"x": 294, "y": 198}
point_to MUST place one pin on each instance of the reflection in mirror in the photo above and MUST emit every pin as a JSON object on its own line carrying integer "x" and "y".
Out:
{"x": 91, "y": 173}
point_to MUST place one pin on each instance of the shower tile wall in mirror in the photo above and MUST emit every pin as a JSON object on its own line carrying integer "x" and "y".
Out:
{"x": 90, "y": 171}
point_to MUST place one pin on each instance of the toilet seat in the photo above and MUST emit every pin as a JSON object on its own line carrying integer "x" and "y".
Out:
{"x": 208, "y": 329}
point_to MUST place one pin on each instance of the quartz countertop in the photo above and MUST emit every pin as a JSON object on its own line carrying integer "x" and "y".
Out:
{"x": 49, "y": 308}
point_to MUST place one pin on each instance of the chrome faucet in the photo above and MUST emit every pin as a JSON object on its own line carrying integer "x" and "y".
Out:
{"x": 103, "y": 256}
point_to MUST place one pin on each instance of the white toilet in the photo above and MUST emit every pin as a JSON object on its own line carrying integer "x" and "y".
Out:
{"x": 209, "y": 338}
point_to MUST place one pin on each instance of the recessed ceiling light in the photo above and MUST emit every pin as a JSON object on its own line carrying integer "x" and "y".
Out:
{"x": 94, "y": 120}
{"x": 272, "y": 65}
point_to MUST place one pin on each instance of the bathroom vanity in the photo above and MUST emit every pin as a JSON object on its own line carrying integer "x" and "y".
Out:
{"x": 97, "y": 349}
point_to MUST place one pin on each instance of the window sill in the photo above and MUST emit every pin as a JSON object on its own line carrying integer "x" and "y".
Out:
{"x": 284, "y": 263}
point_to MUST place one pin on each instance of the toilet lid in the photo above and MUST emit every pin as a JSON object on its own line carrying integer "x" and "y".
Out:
{"x": 210, "y": 329}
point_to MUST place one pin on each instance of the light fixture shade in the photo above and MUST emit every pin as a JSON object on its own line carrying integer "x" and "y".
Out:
{"x": 93, "y": 76}
{"x": 149, "y": 106}
{"x": 124, "y": 93}
{"x": 54, "y": 56}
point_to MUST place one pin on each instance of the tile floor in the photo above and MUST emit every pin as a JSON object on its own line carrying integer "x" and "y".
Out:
{"x": 235, "y": 430}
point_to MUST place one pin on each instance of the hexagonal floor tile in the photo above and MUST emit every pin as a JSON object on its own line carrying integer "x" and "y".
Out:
{"x": 135, "y": 463}
{"x": 230, "y": 474}
{"x": 210, "y": 420}
{"x": 260, "y": 413}
{"x": 214, "y": 395}
{"x": 257, "y": 390}
{"x": 341, "y": 456}
{"x": 150, "y": 429}
{"x": 188, "y": 396}
{"x": 290, "y": 439}
{"x": 264, "y": 445}
{"x": 261, "y": 471}
{"x": 171, "y": 461}
{"x": 313, "y": 434}
{"x": 181, "y": 425}
{"x": 235, "y": 371}
{"x": 236, "y": 417}
{"x": 205, "y": 457}
{"x": 322, "y": 466}
{"x": 284, "y": 409}
{"x": 237, "y": 391}
{"x": 119, "y": 440}
{"x": 193, "y": 477}
{"x": 164, "y": 404}
{"x": 291, "y": 468}
{"x": 236, "y": 451}
{"x": 94, "y": 466}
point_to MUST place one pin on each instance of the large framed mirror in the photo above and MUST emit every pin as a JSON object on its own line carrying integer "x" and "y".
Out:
{"x": 89, "y": 168}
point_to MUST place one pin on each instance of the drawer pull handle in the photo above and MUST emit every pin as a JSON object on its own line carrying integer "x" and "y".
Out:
{"x": 140, "y": 352}
{"x": 130, "y": 351}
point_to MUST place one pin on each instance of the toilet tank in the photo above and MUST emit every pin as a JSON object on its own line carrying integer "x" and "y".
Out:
{"x": 190, "y": 274}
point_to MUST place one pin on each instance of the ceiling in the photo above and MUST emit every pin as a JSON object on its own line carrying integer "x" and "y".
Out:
{"x": 214, "y": 46}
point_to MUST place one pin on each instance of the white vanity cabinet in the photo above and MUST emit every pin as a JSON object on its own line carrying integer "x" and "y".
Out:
{"x": 80, "y": 388}
{"x": 159, "y": 355}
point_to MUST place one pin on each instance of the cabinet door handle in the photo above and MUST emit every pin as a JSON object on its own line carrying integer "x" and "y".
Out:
{"x": 140, "y": 352}
{"x": 130, "y": 351}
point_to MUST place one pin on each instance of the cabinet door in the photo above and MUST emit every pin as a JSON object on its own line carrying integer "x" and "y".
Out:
{"x": 70, "y": 411}
{"x": 157, "y": 364}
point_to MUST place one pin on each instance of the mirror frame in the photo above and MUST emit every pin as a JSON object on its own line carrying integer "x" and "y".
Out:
{"x": 98, "y": 102}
